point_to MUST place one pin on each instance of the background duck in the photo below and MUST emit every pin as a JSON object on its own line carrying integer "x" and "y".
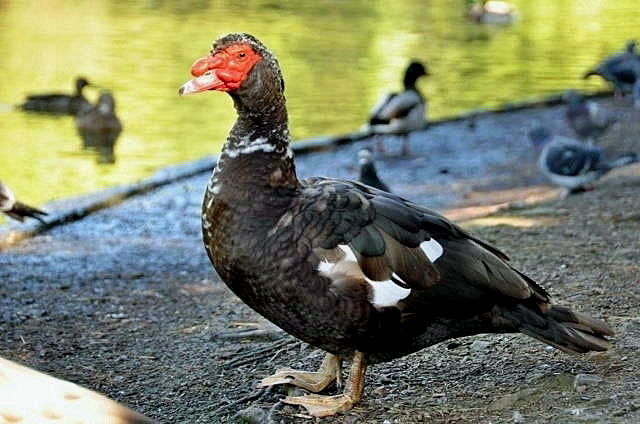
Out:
{"x": 491, "y": 12}
{"x": 586, "y": 118}
{"x": 357, "y": 272}
{"x": 15, "y": 209}
{"x": 572, "y": 164}
{"x": 31, "y": 397}
{"x": 403, "y": 112}
{"x": 67, "y": 104}
{"x": 620, "y": 69}
{"x": 99, "y": 126}
{"x": 368, "y": 172}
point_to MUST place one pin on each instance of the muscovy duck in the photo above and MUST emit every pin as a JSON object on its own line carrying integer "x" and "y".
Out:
{"x": 400, "y": 113}
{"x": 570, "y": 163}
{"x": 99, "y": 126}
{"x": 620, "y": 69}
{"x": 357, "y": 272}
{"x": 31, "y": 397}
{"x": 67, "y": 104}
{"x": 15, "y": 209}
{"x": 368, "y": 172}
{"x": 586, "y": 118}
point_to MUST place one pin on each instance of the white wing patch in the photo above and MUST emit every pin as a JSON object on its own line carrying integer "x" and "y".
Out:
{"x": 432, "y": 249}
{"x": 385, "y": 293}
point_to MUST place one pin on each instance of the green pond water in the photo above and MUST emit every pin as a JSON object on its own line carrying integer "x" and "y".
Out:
{"x": 338, "y": 57}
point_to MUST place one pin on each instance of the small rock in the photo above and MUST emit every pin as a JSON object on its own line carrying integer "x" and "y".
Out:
{"x": 251, "y": 415}
{"x": 518, "y": 417}
{"x": 581, "y": 381}
{"x": 480, "y": 345}
{"x": 381, "y": 391}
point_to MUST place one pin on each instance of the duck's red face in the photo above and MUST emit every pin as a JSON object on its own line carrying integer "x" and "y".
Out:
{"x": 223, "y": 71}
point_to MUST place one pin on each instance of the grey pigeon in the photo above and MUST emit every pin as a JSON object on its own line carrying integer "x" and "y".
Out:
{"x": 368, "y": 173}
{"x": 570, "y": 163}
{"x": 619, "y": 69}
{"x": 587, "y": 119}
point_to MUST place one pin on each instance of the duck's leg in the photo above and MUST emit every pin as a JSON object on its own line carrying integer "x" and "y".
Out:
{"x": 329, "y": 370}
{"x": 405, "y": 144}
{"x": 380, "y": 144}
{"x": 322, "y": 406}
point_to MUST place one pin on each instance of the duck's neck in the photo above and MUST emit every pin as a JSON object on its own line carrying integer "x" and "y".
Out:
{"x": 410, "y": 82}
{"x": 257, "y": 151}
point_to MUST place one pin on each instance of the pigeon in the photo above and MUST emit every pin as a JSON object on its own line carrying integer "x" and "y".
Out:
{"x": 586, "y": 118}
{"x": 619, "y": 69}
{"x": 572, "y": 164}
{"x": 368, "y": 173}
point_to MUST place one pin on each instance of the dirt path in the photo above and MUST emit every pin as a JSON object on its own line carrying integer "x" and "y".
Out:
{"x": 126, "y": 303}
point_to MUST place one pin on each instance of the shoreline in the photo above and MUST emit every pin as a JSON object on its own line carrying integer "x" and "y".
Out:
{"x": 70, "y": 209}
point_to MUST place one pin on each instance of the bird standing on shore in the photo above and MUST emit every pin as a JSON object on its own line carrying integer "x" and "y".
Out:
{"x": 620, "y": 69}
{"x": 368, "y": 172}
{"x": 587, "y": 119}
{"x": 67, "y": 104}
{"x": 358, "y": 272}
{"x": 15, "y": 209}
{"x": 400, "y": 113}
{"x": 570, "y": 163}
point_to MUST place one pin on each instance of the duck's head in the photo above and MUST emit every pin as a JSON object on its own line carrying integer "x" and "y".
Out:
{"x": 631, "y": 45}
{"x": 540, "y": 136}
{"x": 414, "y": 71}
{"x": 106, "y": 103}
{"x": 81, "y": 83}
{"x": 236, "y": 62}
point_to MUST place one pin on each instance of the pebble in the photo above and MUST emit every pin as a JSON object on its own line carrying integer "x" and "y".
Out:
{"x": 252, "y": 415}
{"x": 518, "y": 418}
{"x": 581, "y": 381}
{"x": 480, "y": 345}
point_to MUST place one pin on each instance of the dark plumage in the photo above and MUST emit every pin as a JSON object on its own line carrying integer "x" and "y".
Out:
{"x": 368, "y": 173}
{"x": 587, "y": 119}
{"x": 67, "y": 104}
{"x": 620, "y": 69}
{"x": 570, "y": 163}
{"x": 15, "y": 209}
{"x": 401, "y": 113}
{"x": 31, "y": 397}
{"x": 355, "y": 271}
{"x": 99, "y": 126}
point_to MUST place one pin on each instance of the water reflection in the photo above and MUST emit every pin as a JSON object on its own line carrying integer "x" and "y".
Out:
{"x": 338, "y": 58}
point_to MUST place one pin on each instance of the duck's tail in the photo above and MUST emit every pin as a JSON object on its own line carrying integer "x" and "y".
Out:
{"x": 20, "y": 211}
{"x": 560, "y": 327}
{"x": 622, "y": 160}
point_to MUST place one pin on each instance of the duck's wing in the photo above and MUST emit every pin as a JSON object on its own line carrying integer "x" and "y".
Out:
{"x": 358, "y": 231}
{"x": 399, "y": 105}
{"x": 572, "y": 158}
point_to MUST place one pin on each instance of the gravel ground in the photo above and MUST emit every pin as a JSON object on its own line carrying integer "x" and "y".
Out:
{"x": 125, "y": 301}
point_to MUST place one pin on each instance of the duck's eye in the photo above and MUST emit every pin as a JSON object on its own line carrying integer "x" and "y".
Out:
{"x": 242, "y": 54}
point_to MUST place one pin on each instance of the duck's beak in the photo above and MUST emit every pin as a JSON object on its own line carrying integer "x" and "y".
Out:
{"x": 207, "y": 81}
{"x": 204, "y": 71}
